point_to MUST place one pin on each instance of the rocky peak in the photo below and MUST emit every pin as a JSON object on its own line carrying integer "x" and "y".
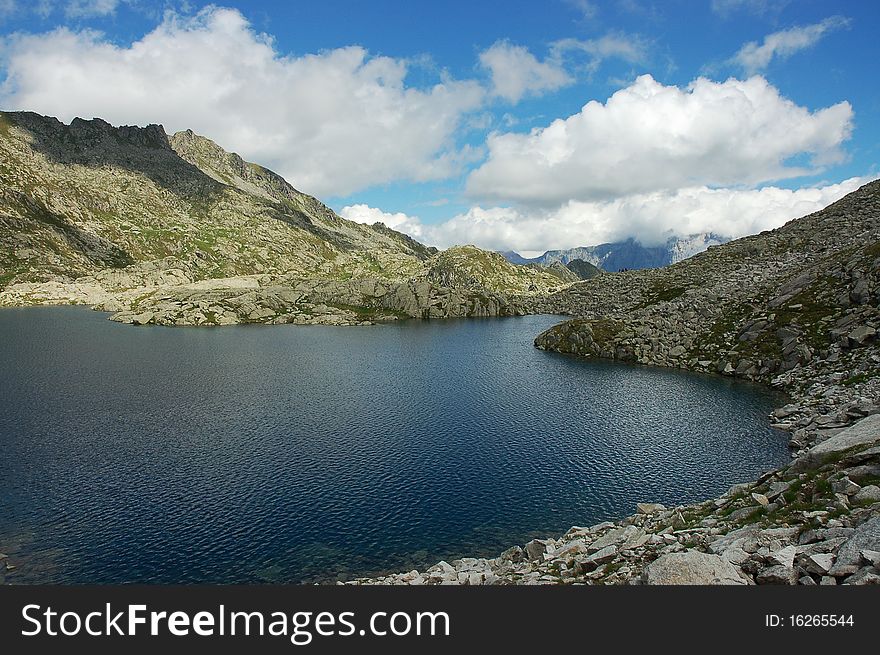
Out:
{"x": 229, "y": 167}
{"x": 84, "y": 135}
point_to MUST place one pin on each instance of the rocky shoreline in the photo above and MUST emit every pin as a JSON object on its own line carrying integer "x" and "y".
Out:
{"x": 168, "y": 292}
{"x": 815, "y": 521}
{"x": 795, "y": 308}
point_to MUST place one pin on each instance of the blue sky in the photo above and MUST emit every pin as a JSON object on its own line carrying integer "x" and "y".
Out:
{"x": 512, "y": 125}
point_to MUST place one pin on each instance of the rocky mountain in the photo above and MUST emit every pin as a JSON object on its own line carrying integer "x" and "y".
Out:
{"x": 626, "y": 255}
{"x": 584, "y": 270}
{"x": 515, "y": 258}
{"x": 175, "y": 230}
{"x": 758, "y": 307}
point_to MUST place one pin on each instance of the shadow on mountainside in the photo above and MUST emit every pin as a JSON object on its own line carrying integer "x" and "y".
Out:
{"x": 147, "y": 151}
{"x": 35, "y": 218}
{"x": 97, "y": 144}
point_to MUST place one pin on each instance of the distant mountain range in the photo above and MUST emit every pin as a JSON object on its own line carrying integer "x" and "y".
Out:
{"x": 629, "y": 254}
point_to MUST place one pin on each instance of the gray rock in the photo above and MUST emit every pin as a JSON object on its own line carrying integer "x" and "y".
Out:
{"x": 535, "y": 549}
{"x": 849, "y": 558}
{"x": 845, "y": 486}
{"x": 819, "y": 564}
{"x": 783, "y": 556}
{"x": 614, "y": 537}
{"x": 691, "y": 567}
{"x": 761, "y": 499}
{"x": 872, "y": 557}
{"x": 863, "y": 433}
{"x": 649, "y": 508}
{"x": 864, "y": 576}
{"x": 776, "y": 575}
{"x": 778, "y": 488}
{"x": 143, "y": 318}
{"x": 601, "y": 557}
{"x": 513, "y": 554}
{"x": 743, "y": 513}
{"x": 861, "y": 335}
{"x": 869, "y": 494}
{"x": 863, "y": 472}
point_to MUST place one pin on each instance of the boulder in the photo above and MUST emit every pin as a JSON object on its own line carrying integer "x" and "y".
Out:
{"x": 601, "y": 557}
{"x": 863, "y": 433}
{"x": 649, "y": 508}
{"x": 819, "y": 563}
{"x": 849, "y": 556}
{"x": 869, "y": 494}
{"x": 614, "y": 537}
{"x": 535, "y": 549}
{"x": 776, "y": 575}
{"x": 691, "y": 567}
{"x": 861, "y": 335}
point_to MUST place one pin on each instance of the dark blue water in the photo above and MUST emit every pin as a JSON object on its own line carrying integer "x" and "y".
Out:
{"x": 286, "y": 453}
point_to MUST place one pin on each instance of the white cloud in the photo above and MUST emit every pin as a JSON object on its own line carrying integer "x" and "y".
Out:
{"x": 650, "y": 218}
{"x": 89, "y": 8}
{"x": 331, "y": 123}
{"x": 369, "y": 215}
{"x": 754, "y": 57}
{"x": 587, "y": 8}
{"x": 516, "y": 72}
{"x": 760, "y": 7}
{"x": 632, "y": 49}
{"x": 650, "y": 137}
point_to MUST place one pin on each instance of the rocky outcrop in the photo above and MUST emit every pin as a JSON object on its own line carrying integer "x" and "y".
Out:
{"x": 309, "y": 302}
{"x": 468, "y": 267}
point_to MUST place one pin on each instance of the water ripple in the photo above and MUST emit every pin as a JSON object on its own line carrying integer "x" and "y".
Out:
{"x": 292, "y": 454}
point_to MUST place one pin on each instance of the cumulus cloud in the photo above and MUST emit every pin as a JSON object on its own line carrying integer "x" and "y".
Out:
{"x": 397, "y": 221}
{"x": 650, "y": 137}
{"x": 331, "y": 123}
{"x": 516, "y": 72}
{"x": 755, "y": 57}
{"x": 651, "y": 218}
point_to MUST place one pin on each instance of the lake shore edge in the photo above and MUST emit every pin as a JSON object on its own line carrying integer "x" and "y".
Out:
{"x": 735, "y": 538}
{"x": 809, "y": 522}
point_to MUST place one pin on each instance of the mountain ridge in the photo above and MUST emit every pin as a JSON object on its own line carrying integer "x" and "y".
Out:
{"x": 626, "y": 255}
{"x": 128, "y": 219}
